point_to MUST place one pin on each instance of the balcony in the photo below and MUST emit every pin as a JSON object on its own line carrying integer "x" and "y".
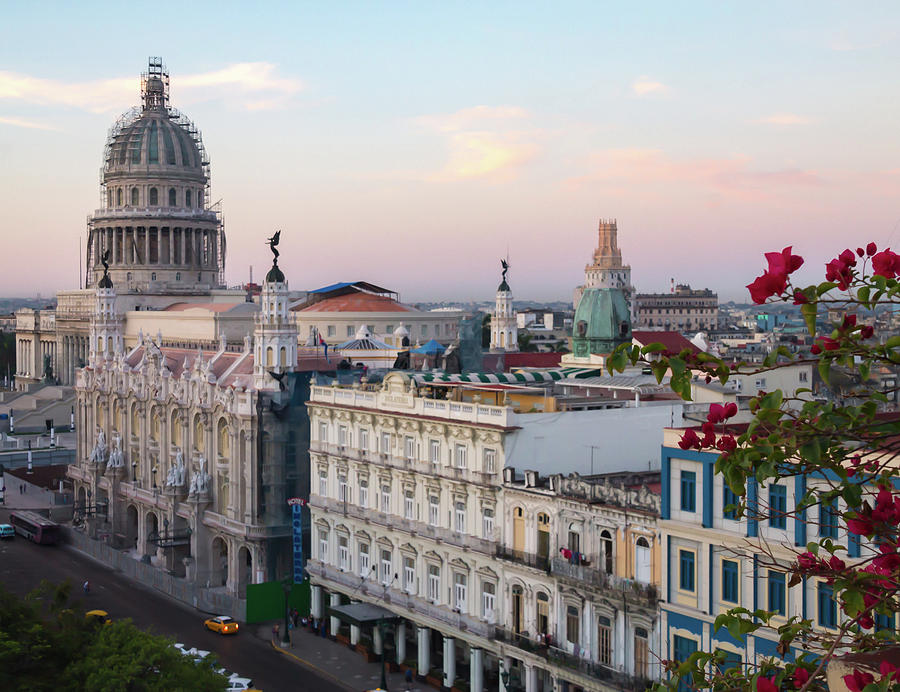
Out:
{"x": 522, "y": 558}
{"x": 563, "y": 659}
{"x": 601, "y": 580}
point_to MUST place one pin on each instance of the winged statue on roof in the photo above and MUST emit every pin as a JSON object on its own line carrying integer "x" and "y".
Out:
{"x": 273, "y": 241}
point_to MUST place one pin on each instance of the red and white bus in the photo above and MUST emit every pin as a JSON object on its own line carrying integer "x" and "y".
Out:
{"x": 34, "y": 527}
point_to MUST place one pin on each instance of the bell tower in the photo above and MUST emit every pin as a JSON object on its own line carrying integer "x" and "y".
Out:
{"x": 106, "y": 323}
{"x": 504, "y": 332}
{"x": 275, "y": 333}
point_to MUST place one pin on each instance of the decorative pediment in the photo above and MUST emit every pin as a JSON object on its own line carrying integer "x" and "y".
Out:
{"x": 432, "y": 556}
{"x": 459, "y": 564}
{"x": 487, "y": 572}
{"x": 364, "y": 535}
{"x": 409, "y": 549}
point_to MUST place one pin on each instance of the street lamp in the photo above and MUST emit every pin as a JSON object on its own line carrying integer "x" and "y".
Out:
{"x": 153, "y": 471}
{"x": 133, "y": 471}
{"x": 504, "y": 675}
{"x": 383, "y": 676}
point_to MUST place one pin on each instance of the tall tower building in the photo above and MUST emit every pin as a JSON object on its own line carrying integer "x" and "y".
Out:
{"x": 276, "y": 330}
{"x": 106, "y": 324}
{"x": 155, "y": 217}
{"x": 606, "y": 269}
{"x": 504, "y": 332}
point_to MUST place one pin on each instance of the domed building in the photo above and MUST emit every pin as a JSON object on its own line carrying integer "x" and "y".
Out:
{"x": 156, "y": 222}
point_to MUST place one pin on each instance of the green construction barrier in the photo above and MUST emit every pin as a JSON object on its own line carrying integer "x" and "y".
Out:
{"x": 266, "y": 601}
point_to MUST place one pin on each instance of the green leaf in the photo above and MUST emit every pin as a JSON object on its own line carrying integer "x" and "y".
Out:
{"x": 809, "y": 311}
{"x": 653, "y": 348}
{"x": 853, "y": 602}
{"x": 825, "y": 370}
{"x": 862, "y": 295}
{"x": 852, "y": 495}
{"x": 892, "y": 342}
{"x": 772, "y": 400}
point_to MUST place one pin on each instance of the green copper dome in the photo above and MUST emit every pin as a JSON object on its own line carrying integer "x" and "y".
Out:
{"x": 602, "y": 322}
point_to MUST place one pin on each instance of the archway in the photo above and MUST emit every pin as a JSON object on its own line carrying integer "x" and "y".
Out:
{"x": 151, "y": 524}
{"x": 218, "y": 563}
{"x": 518, "y": 609}
{"x": 245, "y": 570}
{"x": 642, "y": 560}
{"x": 131, "y": 527}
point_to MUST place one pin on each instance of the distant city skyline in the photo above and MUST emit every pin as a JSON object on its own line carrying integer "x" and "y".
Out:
{"x": 411, "y": 145}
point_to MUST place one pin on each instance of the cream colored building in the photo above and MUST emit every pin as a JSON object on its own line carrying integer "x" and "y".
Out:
{"x": 410, "y": 512}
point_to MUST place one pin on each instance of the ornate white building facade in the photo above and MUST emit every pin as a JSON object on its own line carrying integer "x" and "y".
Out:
{"x": 410, "y": 512}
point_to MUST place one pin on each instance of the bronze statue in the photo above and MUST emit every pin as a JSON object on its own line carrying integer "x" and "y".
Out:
{"x": 104, "y": 260}
{"x": 273, "y": 241}
{"x": 505, "y": 266}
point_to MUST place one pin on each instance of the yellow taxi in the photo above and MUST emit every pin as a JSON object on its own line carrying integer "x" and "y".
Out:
{"x": 221, "y": 624}
{"x": 99, "y": 617}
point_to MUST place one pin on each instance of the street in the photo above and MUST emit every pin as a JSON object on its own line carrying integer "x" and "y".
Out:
{"x": 23, "y": 565}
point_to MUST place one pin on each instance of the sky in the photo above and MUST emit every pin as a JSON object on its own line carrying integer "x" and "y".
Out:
{"x": 414, "y": 144}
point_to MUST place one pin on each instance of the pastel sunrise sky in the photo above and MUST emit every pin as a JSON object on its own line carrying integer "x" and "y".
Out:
{"x": 412, "y": 144}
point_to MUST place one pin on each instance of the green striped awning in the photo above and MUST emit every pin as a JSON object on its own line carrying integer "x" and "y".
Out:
{"x": 518, "y": 377}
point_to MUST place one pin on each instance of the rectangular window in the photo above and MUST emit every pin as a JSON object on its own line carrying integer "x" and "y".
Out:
{"x": 364, "y": 439}
{"x": 730, "y": 589}
{"x": 343, "y": 553}
{"x": 331, "y": 330}
{"x": 460, "y": 456}
{"x": 487, "y": 524}
{"x": 827, "y": 606}
{"x": 323, "y": 546}
{"x": 434, "y": 514}
{"x": 604, "y": 640}
{"x": 573, "y": 625}
{"x": 385, "y": 443}
{"x": 688, "y": 491}
{"x": 388, "y": 330}
{"x": 409, "y": 447}
{"x": 488, "y": 599}
{"x": 323, "y": 484}
{"x": 387, "y": 575}
{"x": 364, "y": 560}
{"x": 490, "y": 460}
{"x": 342, "y": 435}
{"x": 828, "y": 519}
{"x": 682, "y": 648}
{"x": 729, "y": 498}
{"x": 778, "y": 507}
{"x": 686, "y": 576}
{"x": 424, "y": 330}
{"x": 731, "y": 660}
{"x": 434, "y": 583}
{"x": 363, "y": 494}
{"x": 434, "y": 451}
{"x": 350, "y": 331}
{"x": 342, "y": 489}
{"x": 409, "y": 501}
{"x": 386, "y": 499}
{"x": 884, "y": 622}
{"x": 460, "y": 524}
{"x": 777, "y": 592}
{"x": 460, "y": 592}
{"x": 409, "y": 575}
{"x": 804, "y": 377}
{"x": 323, "y": 432}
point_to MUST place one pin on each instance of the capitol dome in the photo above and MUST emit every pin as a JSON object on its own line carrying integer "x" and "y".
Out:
{"x": 156, "y": 221}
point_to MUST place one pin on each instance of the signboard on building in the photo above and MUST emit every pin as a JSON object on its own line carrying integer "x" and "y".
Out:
{"x": 297, "y": 504}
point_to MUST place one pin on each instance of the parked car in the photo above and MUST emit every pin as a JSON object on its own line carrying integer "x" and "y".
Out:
{"x": 7, "y": 532}
{"x": 221, "y": 624}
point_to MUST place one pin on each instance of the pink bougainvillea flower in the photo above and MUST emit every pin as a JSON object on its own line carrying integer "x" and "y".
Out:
{"x": 836, "y": 563}
{"x": 886, "y": 264}
{"x": 783, "y": 263}
{"x": 726, "y": 443}
{"x": 839, "y": 271}
{"x": 857, "y": 681}
{"x": 871, "y": 249}
{"x": 689, "y": 440}
{"x": 816, "y": 349}
{"x": 849, "y": 322}
{"x": 867, "y": 331}
{"x": 731, "y": 409}
{"x": 800, "y": 297}
{"x": 807, "y": 561}
{"x": 887, "y": 668}
{"x": 801, "y": 677}
{"x": 766, "y": 286}
{"x": 859, "y": 527}
{"x": 765, "y": 685}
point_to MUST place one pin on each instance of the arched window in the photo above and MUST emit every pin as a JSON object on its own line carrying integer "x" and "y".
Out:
{"x": 283, "y": 359}
{"x": 134, "y": 197}
{"x": 574, "y": 537}
{"x": 642, "y": 560}
{"x": 177, "y": 276}
{"x": 200, "y": 198}
{"x": 119, "y": 197}
{"x": 606, "y": 543}
{"x": 128, "y": 276}
{"x": 153, "y": 276}
{"x": 518, "y": 609}
{"x": 573, "y": 625}
{"x": 543, "y": 535}
{"x": 187, "y": 198}
{"x": 270, "y": 357}
{"x": 171, "y": 196}
{"x": 543, "y": 613}
{"x": 109, "y": 198}
{"x": 154, "y": 197}
{"x": 518, "y": 529}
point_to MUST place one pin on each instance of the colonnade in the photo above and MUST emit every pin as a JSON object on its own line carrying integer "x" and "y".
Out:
{"x": 30, "y": 363}
{"x": 145, "y": 245}
{"x": 75, "y": 350}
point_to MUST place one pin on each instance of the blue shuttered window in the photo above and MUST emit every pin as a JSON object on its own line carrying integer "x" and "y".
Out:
{"x": 778, "y": 507}
{"x": 828, "y": 520}
{"x": 729, "y": 498}
{"x": 730, "y": 591}
{"x": 682, "y": 648}
{"x": 686, "y": 576}
{"x": 777, "y": 592}
{"x": 688, "y": 491}
{"x": 827, "y": 606}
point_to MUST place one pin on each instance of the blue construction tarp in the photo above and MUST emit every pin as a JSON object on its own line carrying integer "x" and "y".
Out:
{"x": 430, "y": 348}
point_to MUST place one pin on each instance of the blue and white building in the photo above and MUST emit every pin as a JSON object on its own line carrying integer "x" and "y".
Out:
{"x": 714, "y": 561}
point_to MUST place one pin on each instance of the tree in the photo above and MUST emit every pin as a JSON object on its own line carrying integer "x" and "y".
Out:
{"x": 847, "y": 450}
{"x": 525, "y": 344}
{"x": 486, "y": 331}
{"x": 46, "y": 644}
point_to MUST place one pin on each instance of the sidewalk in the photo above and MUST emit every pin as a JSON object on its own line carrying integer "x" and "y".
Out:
{"x": 338, "y": 662}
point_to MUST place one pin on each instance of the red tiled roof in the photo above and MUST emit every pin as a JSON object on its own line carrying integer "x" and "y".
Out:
{"x": 532, "y": 360}
{"x": 356, "y": 302}
{"x": 674, "y": 342}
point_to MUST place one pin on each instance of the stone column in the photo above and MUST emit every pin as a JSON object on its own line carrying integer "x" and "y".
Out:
{"x": 116, "y": 245}
{"x": 354, "y": 635}
{"x": 334, "y": 623}
{"x": 449, "y": 661}
{"x": 476, "y": 670}
{"x": 619, "y": 649}
{"x": 423, "y": 639}
{"x": 531, "y": 678}
{"x": 377, "y": 641}
{"x": 316, "y": 602}
{"x": 183, "y": 235}
{"x": 400, "y": 638}
{"x": 505, "y": 667}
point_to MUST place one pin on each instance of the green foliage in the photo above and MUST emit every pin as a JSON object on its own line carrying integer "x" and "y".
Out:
{"x": 46, "y": 644}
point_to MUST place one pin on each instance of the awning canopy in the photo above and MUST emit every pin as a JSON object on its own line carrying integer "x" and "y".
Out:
{"x": 430, "y": 348}
{"x": 520, "y": 377}
{"x": 359, "y": 614}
